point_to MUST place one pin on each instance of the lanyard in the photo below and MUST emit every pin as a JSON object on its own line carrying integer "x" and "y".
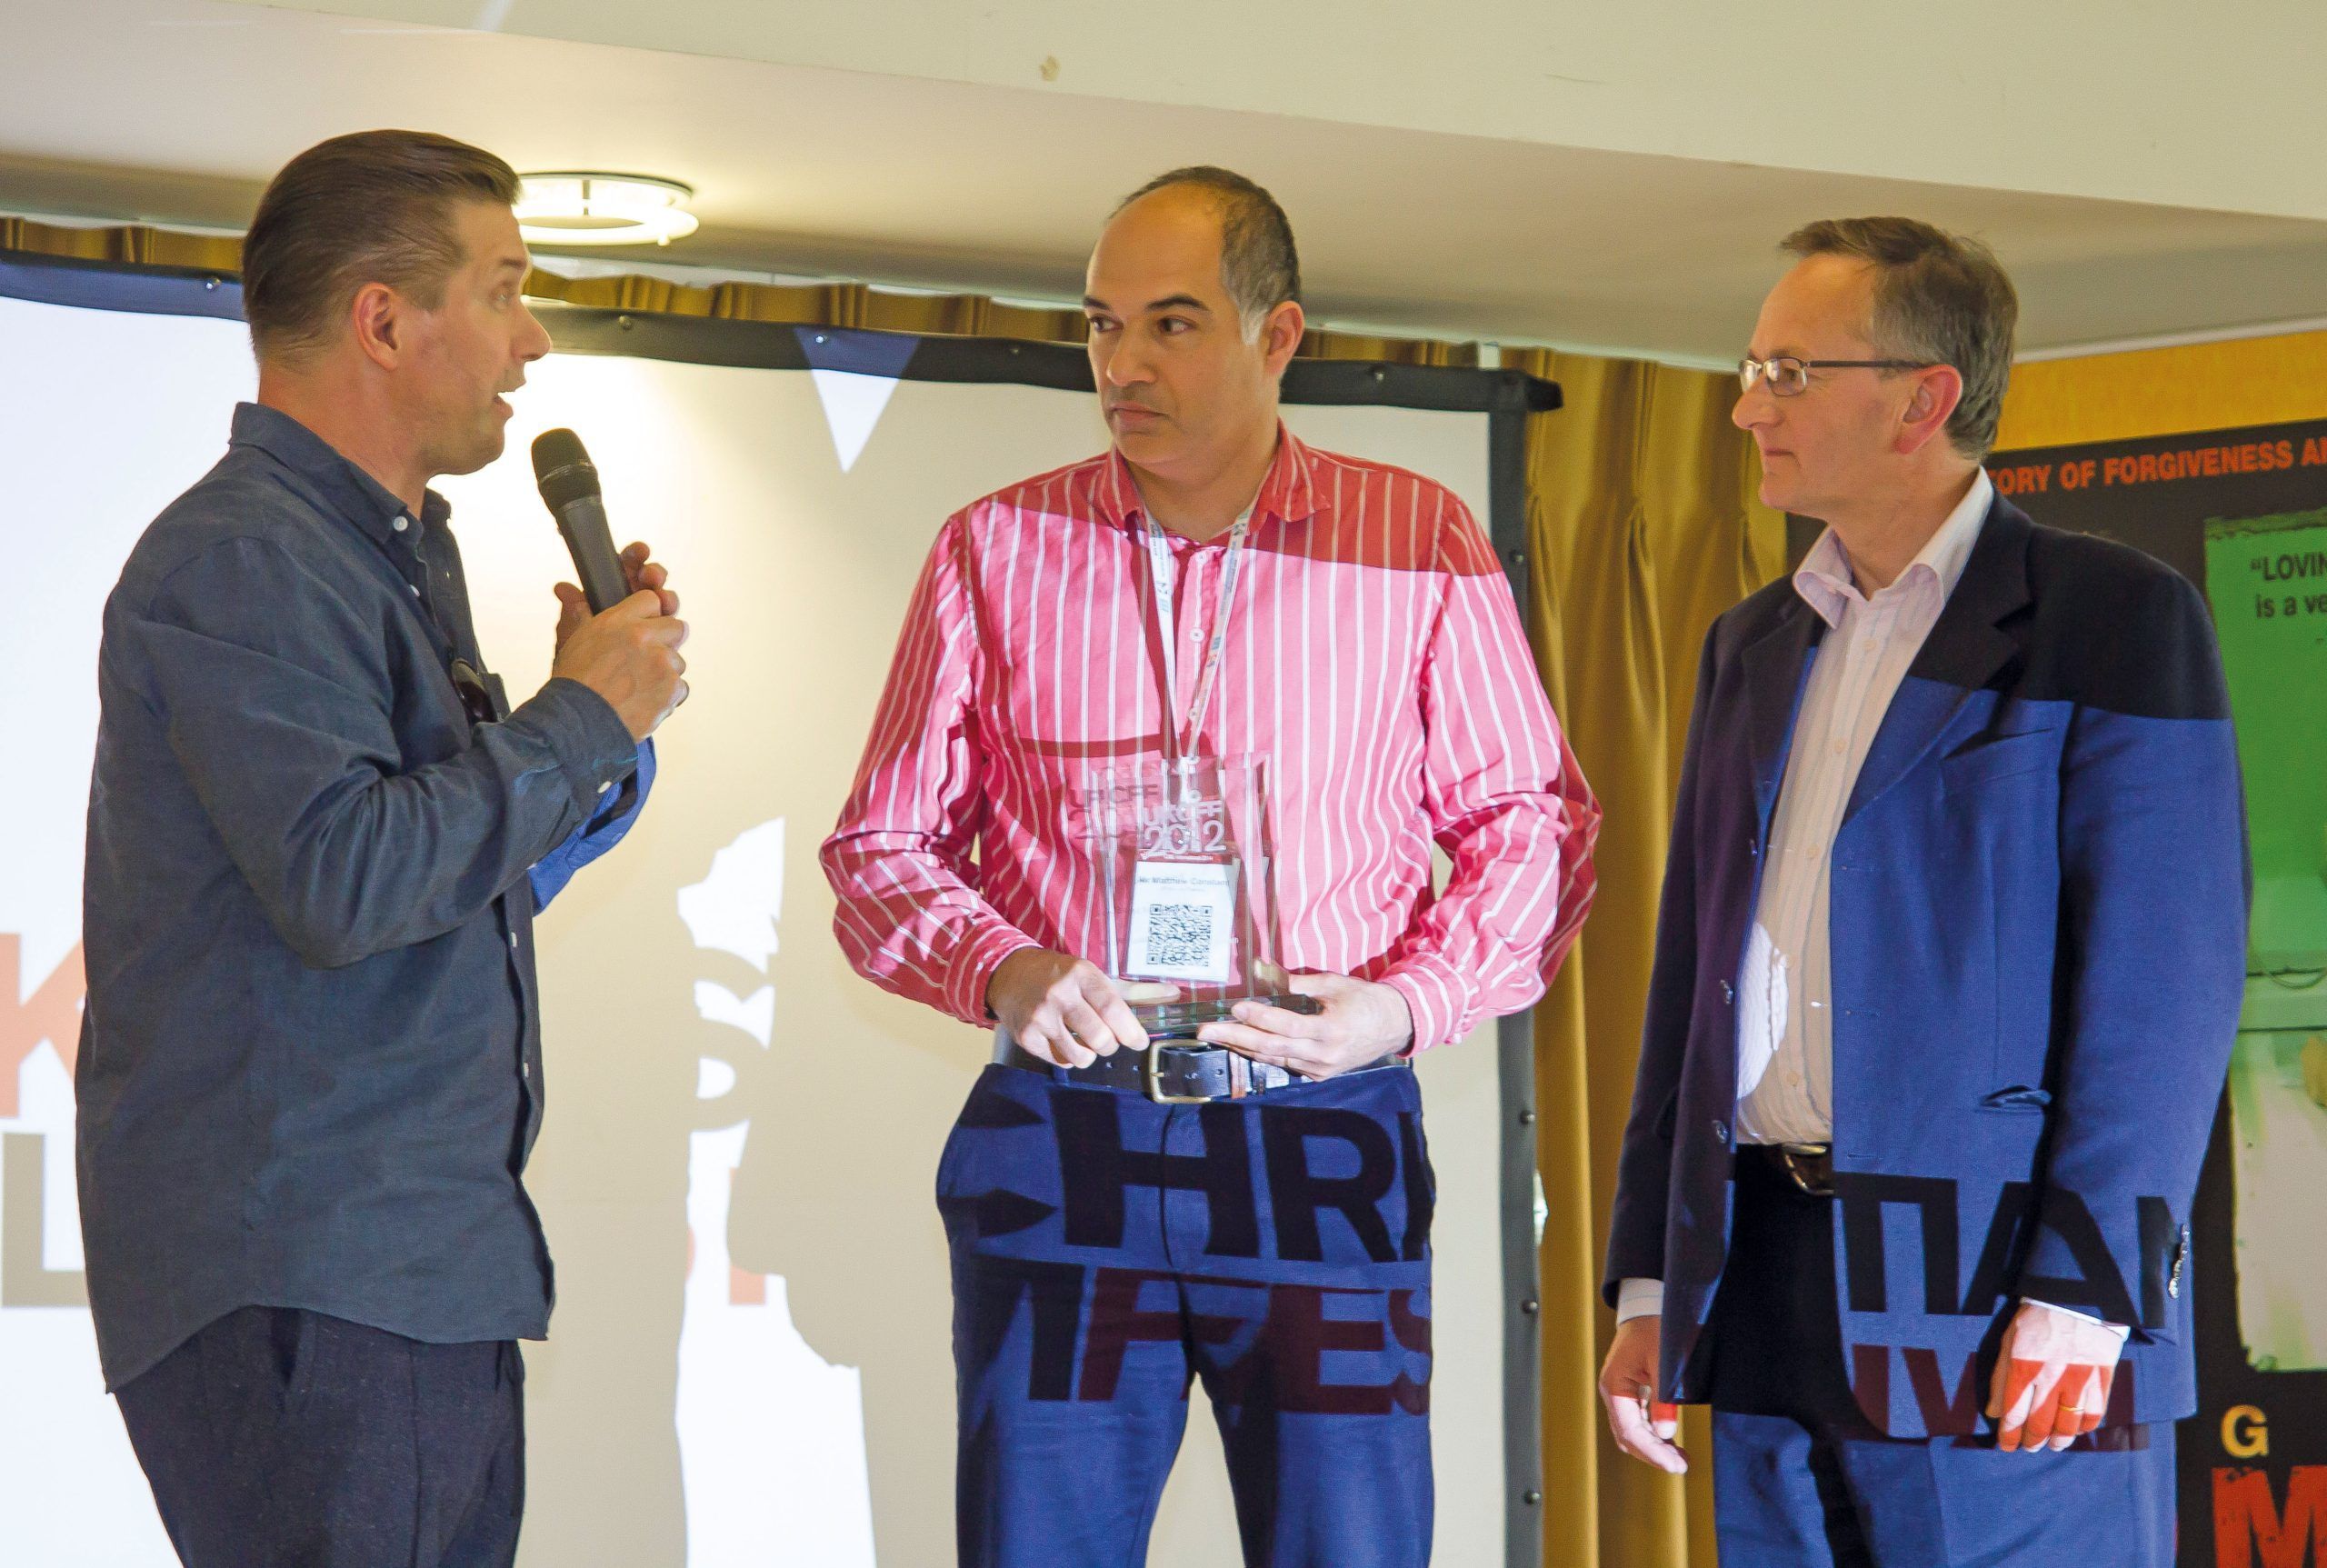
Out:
{"x": 1180, "y": 737}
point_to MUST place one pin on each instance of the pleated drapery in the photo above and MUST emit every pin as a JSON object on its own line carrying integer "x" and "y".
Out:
{"x": 855, "y": 305}
{"x": 1642, "y": 526}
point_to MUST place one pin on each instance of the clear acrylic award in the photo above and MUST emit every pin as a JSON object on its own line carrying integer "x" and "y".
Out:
{"x": 1188, "y": 915}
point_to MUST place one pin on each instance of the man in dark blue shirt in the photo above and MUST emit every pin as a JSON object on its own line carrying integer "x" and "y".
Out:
{"x": 310, "y": 1067}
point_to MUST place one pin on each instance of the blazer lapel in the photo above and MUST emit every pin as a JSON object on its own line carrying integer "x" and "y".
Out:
{"x": 1964, "y": 651}
{"x": 1775, "y": 664}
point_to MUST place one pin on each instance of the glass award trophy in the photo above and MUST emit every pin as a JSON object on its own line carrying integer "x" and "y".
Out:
{"x": 1188, "y": 915}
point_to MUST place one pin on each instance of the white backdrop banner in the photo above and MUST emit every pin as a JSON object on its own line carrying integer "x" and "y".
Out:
{"x": 750, "y": 1361}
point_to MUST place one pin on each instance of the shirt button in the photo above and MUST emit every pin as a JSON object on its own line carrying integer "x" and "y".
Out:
{"x": 401, "y": 524}
{"x": 1720, "y": 1130}
{"x": 415, "y": 589}
{"x": 524, "y": 1070}
{"x": 512, "y": 939}
{"x": 1840, "y": 748}
{"x": 1794, "y": 1079}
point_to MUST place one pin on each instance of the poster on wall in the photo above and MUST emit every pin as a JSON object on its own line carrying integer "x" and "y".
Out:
{"x": 2244, "y": 514}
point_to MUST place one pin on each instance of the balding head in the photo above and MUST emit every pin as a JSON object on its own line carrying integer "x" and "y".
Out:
{"x": 1259, "y": 267}
{"x": 1189, "y": 299}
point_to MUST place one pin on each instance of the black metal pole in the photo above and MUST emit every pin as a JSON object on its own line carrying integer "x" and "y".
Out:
{"x": 1522, "y": 1288}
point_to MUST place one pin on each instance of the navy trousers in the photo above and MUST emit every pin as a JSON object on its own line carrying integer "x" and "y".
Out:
{"x": 1802, "y": 1480}
{"x": 1108, "y": 1251}
{"x": 277, "y": 1438}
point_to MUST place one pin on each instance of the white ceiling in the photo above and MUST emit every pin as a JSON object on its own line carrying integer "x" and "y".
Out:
{"x": 175, "y": 111}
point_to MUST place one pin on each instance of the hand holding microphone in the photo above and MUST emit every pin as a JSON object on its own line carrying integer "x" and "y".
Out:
{"x": 639, "y": 572}
{"x": 625, "y": 645}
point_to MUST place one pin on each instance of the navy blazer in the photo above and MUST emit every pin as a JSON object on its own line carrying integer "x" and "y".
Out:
{"x": 2037, "y": 933}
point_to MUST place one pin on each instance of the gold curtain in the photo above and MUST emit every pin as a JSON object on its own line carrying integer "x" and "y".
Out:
{"x": 842, "y": 305}
{"x": 854, "y": 305}
{"x": 1642, "y": 526}
{"x": 142, "y": 246}
{"x": 845, "y": 305}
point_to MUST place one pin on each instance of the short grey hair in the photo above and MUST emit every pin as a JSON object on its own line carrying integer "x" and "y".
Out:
{"x": 1258, "y": 265}
{"x": 1940, "y": 298}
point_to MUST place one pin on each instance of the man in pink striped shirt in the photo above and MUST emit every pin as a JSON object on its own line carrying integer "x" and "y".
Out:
{"x": 1266, "y": 1227}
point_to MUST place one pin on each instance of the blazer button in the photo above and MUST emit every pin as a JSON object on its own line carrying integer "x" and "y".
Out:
{"x": 1720, "y": 1130}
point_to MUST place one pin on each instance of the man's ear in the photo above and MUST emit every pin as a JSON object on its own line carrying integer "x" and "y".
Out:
{"x": 376, "y": 315}
{"x": 1939, "y": 389}
{"x": 1281, "y": 335}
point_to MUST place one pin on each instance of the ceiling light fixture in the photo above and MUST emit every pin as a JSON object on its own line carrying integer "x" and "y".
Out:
{"x": 587, "y": 208}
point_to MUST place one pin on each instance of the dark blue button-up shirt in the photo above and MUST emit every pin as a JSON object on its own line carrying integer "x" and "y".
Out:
{"x": 310, "y": 1067}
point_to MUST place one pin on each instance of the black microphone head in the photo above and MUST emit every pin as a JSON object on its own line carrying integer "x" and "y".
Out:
{"x": 562, "y": 469}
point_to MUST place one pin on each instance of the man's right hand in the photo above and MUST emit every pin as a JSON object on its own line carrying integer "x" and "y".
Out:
{"x": 1061, "y": 1008}
{"x": 1644, "y": 1425}
{"x": 630, "y": 657}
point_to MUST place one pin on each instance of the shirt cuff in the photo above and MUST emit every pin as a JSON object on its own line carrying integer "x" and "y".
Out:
{"x": 974, "y": 962}
{"x": 2121, "y": 1330}
{"x": 593, "y": 745}
{"x": 1433, "y": 995}
{"x": 1639, "y": 1298}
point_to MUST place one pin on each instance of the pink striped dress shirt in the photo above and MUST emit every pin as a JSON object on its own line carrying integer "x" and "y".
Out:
{"x": 1375, "y": 658}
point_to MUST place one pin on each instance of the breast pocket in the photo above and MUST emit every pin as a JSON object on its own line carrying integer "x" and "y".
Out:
{"x": 1989, "y": 761}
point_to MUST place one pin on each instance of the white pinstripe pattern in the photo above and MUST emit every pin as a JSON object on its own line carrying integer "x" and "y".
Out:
{"x": 1375, "y": 658}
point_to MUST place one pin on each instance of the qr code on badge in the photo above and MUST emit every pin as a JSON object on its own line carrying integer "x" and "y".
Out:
{"x": 1179, "y": 936}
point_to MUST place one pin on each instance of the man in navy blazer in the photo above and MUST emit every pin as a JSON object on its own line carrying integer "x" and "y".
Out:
{"x": 1947, "y": 972}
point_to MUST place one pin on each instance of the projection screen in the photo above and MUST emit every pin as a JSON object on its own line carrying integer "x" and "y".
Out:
{"x": 749, "y": 1362}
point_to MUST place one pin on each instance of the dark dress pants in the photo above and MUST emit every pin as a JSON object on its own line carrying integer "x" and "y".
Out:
{"x": 278, "y": 1438}
{"x": 1803, "y": 1480}
{"x": 1109, "y": 1251}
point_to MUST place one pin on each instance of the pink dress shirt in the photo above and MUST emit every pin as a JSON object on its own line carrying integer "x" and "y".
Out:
{"x": 1374, "y": 656}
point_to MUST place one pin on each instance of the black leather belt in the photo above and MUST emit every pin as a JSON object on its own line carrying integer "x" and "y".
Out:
{"x": 1808, "y": 1166}
{"x": 1171, "y": 1074}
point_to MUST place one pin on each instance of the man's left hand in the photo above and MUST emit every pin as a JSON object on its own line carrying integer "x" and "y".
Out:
{"x": 2052, "y": 1379}
{"x": 638, "y": 568}
{"x": 1361, "y": 1020}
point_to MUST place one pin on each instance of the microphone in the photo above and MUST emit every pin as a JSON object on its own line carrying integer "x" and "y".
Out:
{"x": 569, "y": 485}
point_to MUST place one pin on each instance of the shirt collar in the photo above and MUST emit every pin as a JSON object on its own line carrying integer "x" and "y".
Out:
{"x": 353, "y": 495}
{"x": 1288, "y": 492}
{"x": 1824, "y": 582}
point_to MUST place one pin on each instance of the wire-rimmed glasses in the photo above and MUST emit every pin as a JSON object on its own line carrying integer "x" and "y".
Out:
{"x": 1788, "y": 377}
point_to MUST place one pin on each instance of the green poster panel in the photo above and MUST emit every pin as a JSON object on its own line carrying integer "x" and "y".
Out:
{"x": 2267, "y": 579}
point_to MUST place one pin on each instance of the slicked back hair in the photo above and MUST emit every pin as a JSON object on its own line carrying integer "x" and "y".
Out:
{"x": 1940, "y": 298}
{"x": 1258, "y": 265}
{"x": 376, "y": 207}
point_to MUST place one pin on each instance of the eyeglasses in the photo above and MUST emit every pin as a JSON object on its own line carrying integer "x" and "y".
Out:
{"x": 1788, "y": 377}
{"x": 477, "y": 702}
